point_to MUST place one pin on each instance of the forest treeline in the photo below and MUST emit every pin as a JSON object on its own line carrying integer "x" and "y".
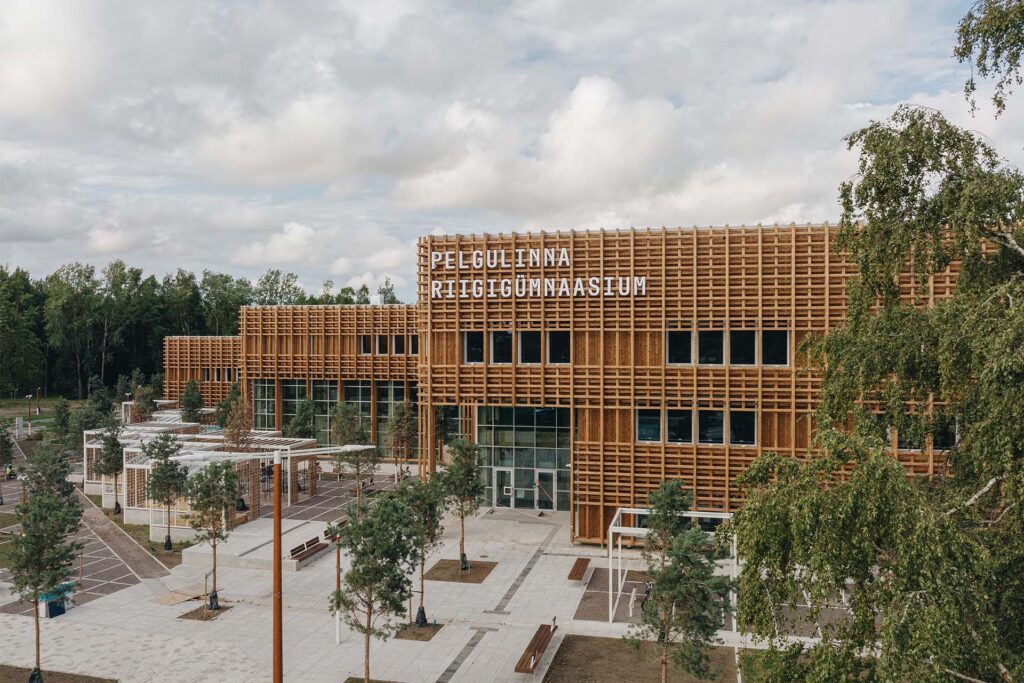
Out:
{"x": 79, "y": 322}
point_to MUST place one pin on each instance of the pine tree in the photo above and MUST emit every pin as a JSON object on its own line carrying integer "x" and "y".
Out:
{"x": 301, "y": 426}
{"x": 191, "y": 402}
{"x": 224, "y": 407}
{"x": 349, "y": 428}
{"x": 167, "y": 478}
{"x": 402, "y": 433}
{"x": 211, "y": 492}
{"x": 238, "y": 432}
{"x": 6, "y": 444}
{"x": 145, "y": 404}
{"x": 61, "y": 417}
{"x": 426, "y": 504}
{"x": 42, "y": 556}
{"x": 110, "y": 460}
{"x": 462, "y": 488}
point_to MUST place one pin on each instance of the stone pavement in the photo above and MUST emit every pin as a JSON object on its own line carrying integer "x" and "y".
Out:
{"x": 141, "y": 562}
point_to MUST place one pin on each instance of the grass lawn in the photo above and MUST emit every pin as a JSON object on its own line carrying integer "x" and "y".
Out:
{"x": 611, "y": 660}
{"x": 21, "y": 407}
{"x": 140, "y": 534}
{"x": 7, "y": 519}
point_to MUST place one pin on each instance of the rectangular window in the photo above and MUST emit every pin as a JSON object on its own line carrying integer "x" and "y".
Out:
{"x": 473, "y": 347}
{"x": 711, "y": 426}
{"x": 559, "y": 348}
{"x": 364, "y": 345}
{"x": 710, "y": 348}
{"x": 358, "y": 393}
{"x": 414, "y": 344}
{"x": 679, "y": 425}
{"x": 263, "y": 404}
{"x": 529, "y": 348}
{"x": 206, "y": 374}
{"x": 742, "y": 427}
{"x": 325, "y": 396}
{"x": 501, "y": 347}
{"x": 398, "y": 344}
{"x": 775, "y": 347}
{"x": 216, "y": 374}
{"x": 648, "y": 424}
{"x": 382, "y": 344}
{"x": 742, "y": 347}
{"x": 944, "y": 437}
{"x": 680, "y": 347}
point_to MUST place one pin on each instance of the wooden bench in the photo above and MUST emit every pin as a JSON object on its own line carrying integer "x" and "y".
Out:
{"x": 579, "y": 569}
{"x": 307, "y": 549}
{"x": 527, "y": 664}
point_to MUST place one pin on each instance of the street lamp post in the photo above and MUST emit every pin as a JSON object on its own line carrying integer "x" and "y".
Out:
{"x": 278, "y": 647}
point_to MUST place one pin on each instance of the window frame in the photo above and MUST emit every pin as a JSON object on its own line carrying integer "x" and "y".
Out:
{"x": 465, "y": 348}
{"x": 760, "y": 350}
{"x": 414, "y": 344}
{"x": 511, "y": 349}
{"x": 520, "y": 346}
{"x": 722, "y": 363}
{"x": 382, "y": 338}
{"x": 636, "y": 425}
{"x": 668, "y": 334}
{"x": 396, "y": 341}
{"x": 366, "y": 350}
{"x": 757, "y": 349}
{"x": 756, "y": 423}
{"x": 550, "y": 346}
{"x": 725, "y": 426}
{"x": 668, "y": 412}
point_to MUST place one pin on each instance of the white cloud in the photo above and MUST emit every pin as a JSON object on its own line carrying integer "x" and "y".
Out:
{"x": 295, "y": 243}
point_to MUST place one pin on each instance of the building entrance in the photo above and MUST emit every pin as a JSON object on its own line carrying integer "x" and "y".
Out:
{"x": 546, "y": 498}
{"x": 502, "y": 487}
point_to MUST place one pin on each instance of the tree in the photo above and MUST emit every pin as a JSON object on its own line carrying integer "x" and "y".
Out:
{"x": 275, "y": 289}
{"x": 363, "y": 295}
{"x": 687, "y": 602}
{"x": 6, "y": 444}
{"x": 402, "y": 432}
{"x": 426, "y": 505}
{"x": 446, "y": 420}
{"x": 110, "y": 460}
{"x": 930, "y": 566}
{"x": 238, "y": 431}
{"x": 379, "y": 541}
{"x": 167, "y": 478}
{"x": 301, "y": 425}
{"x": 41, "y": 557}
{"x": 222, "y": 297}
{"x": 61, "y": 417}
{"x": 191, "y": 402}
{"x": 386, "y": 291}
{"x": 145, "y": 403}
{"x": 21, "y": 355}
{"x": 224, "y": 407}
{"x": 183, "y": 303}
{"x": 71, "y": 311}
{"x": 211, "y": 492}
{"x": 991, "y": 39}
{"x": 348, "y": 428}
{"x": 462, "y": 487}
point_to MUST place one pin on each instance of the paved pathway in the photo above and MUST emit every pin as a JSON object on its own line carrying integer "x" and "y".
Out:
{"x": 135, "y": 556}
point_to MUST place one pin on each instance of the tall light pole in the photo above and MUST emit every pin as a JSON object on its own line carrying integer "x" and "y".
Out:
{"x": 278, "y": 645}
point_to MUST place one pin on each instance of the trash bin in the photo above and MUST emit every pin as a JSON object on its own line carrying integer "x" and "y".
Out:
{"x": 57, "y": 602}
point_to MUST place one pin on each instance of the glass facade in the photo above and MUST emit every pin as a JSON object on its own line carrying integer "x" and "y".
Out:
{"x": 263, "y": 404}
{"x": 325, "y": 395}
{"x": 524, "y": 456}
{"x": 358, "y": 392}
{"x": 388, "y": 393}
{"x": 293, "y": 392}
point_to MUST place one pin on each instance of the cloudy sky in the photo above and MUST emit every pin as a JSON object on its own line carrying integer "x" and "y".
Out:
{"x": 324, "y": 137}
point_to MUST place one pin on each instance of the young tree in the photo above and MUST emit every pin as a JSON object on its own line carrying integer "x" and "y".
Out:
{"x": 462, "y": 488}
{"x": 211, "y": 492}
{"x": 145, "y": 403}
{"x": 302, "y": 426}
{"x": 380, "y": 544}
{"x": 238, "y": 431}
{"x": 167, "y": 478}
{"x": 110, "y": 460}
{"x": 386, "y": 291}
{"x": 402, "y": 432}
{"x": 445, "y": 427}
{"x": 224, "y": 407}
{"x": 687, "y": 602}
{"x": 42, "y": 556}
{"x": 61, "y": 417}
{"x": 191, "y": 402}
{"x": 6, "y": 444}
{"x": 426, "y": 505}
{"x": 348, "y": 428}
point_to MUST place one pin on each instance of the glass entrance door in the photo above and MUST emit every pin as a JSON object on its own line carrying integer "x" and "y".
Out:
{"x": 546, "y": 490}
{"x": 502, "y": 487}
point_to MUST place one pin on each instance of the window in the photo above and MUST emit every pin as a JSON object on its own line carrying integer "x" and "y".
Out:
{"x": 775, "y": 347}
{"x": 742, "y": 427}
{"x": 501, "y": 347}
{"x": 388, "y": 394}
{"x": 648, "y": 424}
{"x": 216, "y": 374}
{"x": 559, "y": 347}
{"x": 414, "y": 344}
{"x": 293, "y": 393}
{"x": 382, "y": 344}
{"x": 529, "y": 348}
{"x": 711, "y": 426}
{"x": 907, "y": 440}
{"x": 358, "y": 393}
{"x": 473, "y": 347}
{"x": 206, "y": 374}
{"x": 710, "y": 349}
{"x": 364, "y": 344}
{"x": 398, "y": 344}
{"x": 680, "y": 347}
{"x": 325, "y": 396}
{"x": 263, "y": 404}
{"x": 944, "y": 437}
{"x": 679, "y": 425}
{"x": 742, "y": 347}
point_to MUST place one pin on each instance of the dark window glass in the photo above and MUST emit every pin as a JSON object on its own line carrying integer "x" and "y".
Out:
{"x": 501, "y": 347}
{"x": 529, "y": 347}
{"x": 742, "y": 347}
{"x": 398, "y": 344}
{"x": 945, "y": 435}
{"x": 679, "y": 425}
{"x": 648, "y": 425}
{"x": 382, "y": 344}
{"x": 474, "y": 347}
{"x": 710, "y": 348}
{"x": 364, "y": 344}
{"x": 414, "y": 344}
{"x": 742, "y": 427}
{"x": 711, "y": 426}
{"x": 559, "y": 347}
{"x": 775, "y": 347}
{"x": 680, "y": 347}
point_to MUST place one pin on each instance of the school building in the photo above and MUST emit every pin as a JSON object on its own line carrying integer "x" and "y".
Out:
{"x": 588, "y": 366}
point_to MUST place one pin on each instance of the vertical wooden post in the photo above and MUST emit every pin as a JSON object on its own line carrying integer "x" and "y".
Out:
{"x": 278, "y": 644}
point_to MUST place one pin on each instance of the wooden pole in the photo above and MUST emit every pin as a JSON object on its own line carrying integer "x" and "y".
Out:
{"x": 278, "y": 644}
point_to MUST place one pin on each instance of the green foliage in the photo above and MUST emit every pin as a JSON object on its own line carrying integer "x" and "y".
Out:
{"x": 191, "y": 402}
{"x": 99, "y": 397}
{"x": 21, "y": 354}
{"x": 445, "y": 423}
{"x": 42, "y": 556}
{"x": 110, "y": 459}
{"x": 402, "y": 430}
{"x": 6, "y": 443}
{"x": 380, "y": 543}
{"x": 386, "y": 291}
{"x": 301, "y": 425}
{"x": 145, "y": 403}
{"x": 276, "y": 289}
{"x": 71, "y": 312}
{"x": 212, "y": 492}
{"x": 990, "y": 37}
{"x": 224, "y": 407}
{"x": 238, "y": 431}
{"x": 460, "y": 481}
{"x": 61, "y": 417}
{"x": 222, "y": 297}
{"x": 687, "y": 602}
{"x": 349, "y": 425}
{"x": 167, "y": 478}
{"x": 425, "y": 501}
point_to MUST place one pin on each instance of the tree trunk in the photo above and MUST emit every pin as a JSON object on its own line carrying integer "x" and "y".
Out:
{"x": 103, "y": 349}
{"x": 214, "y": 546}
{"x": 337, "y": 561}
{"x": 78, "y": 373}
{"x": 423, "y": 564}
{"x": 366, "y": 639}
{"x": 168, "y": 520}
{"x": 35, "y": 611}
{"x": 664, "y": 666}
{"x": 462, "y": 535}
